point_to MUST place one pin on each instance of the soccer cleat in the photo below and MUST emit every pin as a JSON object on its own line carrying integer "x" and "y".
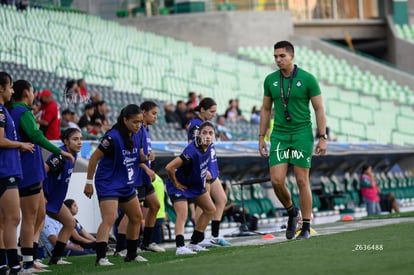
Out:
{"x": 136, "y": 259}
{"x": 121, "y": 253}
{"x": 291, "y": 227}
{"x": 103, "y": 262}
{"x": 153, "y": 247}
{"x": 206, "y": 243}
{"x": 58, "y": 261}
{"x": 196, "y": 247}
{"x": 62, "y": 261}
{"x": 38, "y": 263}
{"x": 219, "y": 241}
{"x": 182, "y": 250}
{"x": 304, "y": 234}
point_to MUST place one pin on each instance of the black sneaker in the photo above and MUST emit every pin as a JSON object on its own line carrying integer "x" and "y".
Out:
{"x": 304, "y": 234}
{"x": 292, "y": 224}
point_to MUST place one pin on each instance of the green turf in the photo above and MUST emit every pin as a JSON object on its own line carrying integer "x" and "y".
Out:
{"x": 388, "y": 216}
{"x": 327, "y": 254}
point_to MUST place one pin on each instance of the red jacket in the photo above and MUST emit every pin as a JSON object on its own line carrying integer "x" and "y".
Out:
{"x": 50, "y": 113}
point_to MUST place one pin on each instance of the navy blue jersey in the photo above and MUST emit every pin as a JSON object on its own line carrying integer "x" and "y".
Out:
{"x": 192, "y": 173}
{"x": 11, "y": 165}
{"x": 118, "y": 168}
{"x": 78, "y": 227}
{"x": 56, "y": 184}
{"x": 32, "y": 163}
{"x": 144, "y": 135}
{"x": 193, "y": 132}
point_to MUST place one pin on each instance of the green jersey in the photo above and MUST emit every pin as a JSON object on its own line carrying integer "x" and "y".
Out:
{"x": 303, "y": 86}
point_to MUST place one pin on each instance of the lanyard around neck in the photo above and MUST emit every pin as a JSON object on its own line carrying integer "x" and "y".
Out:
{"x": 285, "y": 100}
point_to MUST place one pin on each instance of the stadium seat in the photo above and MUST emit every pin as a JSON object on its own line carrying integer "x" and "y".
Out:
{"x": 266, "y": 205}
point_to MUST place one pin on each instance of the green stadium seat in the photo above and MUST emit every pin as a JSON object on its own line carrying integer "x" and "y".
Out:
{"x": 266, "y": 205}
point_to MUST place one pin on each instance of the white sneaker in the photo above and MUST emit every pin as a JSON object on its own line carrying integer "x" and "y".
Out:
{"x": 104, "y": 262}
{"x": 33, "y": 270}
{"x": 206, "y": 243}
{"x": 182, "y": 250}
{"x": 38, "y": 263}
{"x": 136, "y": 259}
{"x": 153, "y": 247}
{"x": 196, "y": 248}
{"x": 62, "y": 261}
{"x": 121, "y": 253}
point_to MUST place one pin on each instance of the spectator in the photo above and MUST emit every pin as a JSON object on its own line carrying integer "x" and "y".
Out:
{"x": 255, "y": 117}
{"x": 83, "y": 91}
{"x": 170, "y": 115}
{"x": 375, "y": 202}
{"x": 68, "y": 119}
{"x": 192, "y": 100}
{"x": 222, "y": 131}
{"x": 181, "y": 110}
{"x": 96, "y": 129}
{"x": 72, "y": 92}
{"x": 95, "y": 96}
{"x": 101, "y": 109}
{"x": 79, "y": 236}
{"x": 49, "y": 235}
{"x": 86, "y": 118}
{"x": 233, "y": 112}
{"x": 49, "y": 120}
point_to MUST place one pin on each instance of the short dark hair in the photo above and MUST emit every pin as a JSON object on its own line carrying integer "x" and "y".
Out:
{"x": 89, "y": 106}
{"x": 69, "y": 202}
{"x": 67, "y": 111}
{"x": 284, "y": 45}
{"x": 365, "y": 167}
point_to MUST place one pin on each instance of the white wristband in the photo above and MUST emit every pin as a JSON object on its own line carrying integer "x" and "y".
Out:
{"x": 89, "y": 181}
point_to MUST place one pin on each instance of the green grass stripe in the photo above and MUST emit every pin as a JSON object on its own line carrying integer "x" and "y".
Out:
{"x": 326, "y": 254}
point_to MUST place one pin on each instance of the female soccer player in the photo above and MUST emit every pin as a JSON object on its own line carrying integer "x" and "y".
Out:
{"x": 119, "y": 156}
{"x": 10, "y": 174}
{"x": 55, "y": 188}
{"x": 146, "y": 191}
{"x": 206, "y": 111}
{"x": 32, "y": 201}
{"x": 187, "y": 182}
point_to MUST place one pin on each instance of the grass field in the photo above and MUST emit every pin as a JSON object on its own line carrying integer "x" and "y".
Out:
{"x": 378, "y": 250}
